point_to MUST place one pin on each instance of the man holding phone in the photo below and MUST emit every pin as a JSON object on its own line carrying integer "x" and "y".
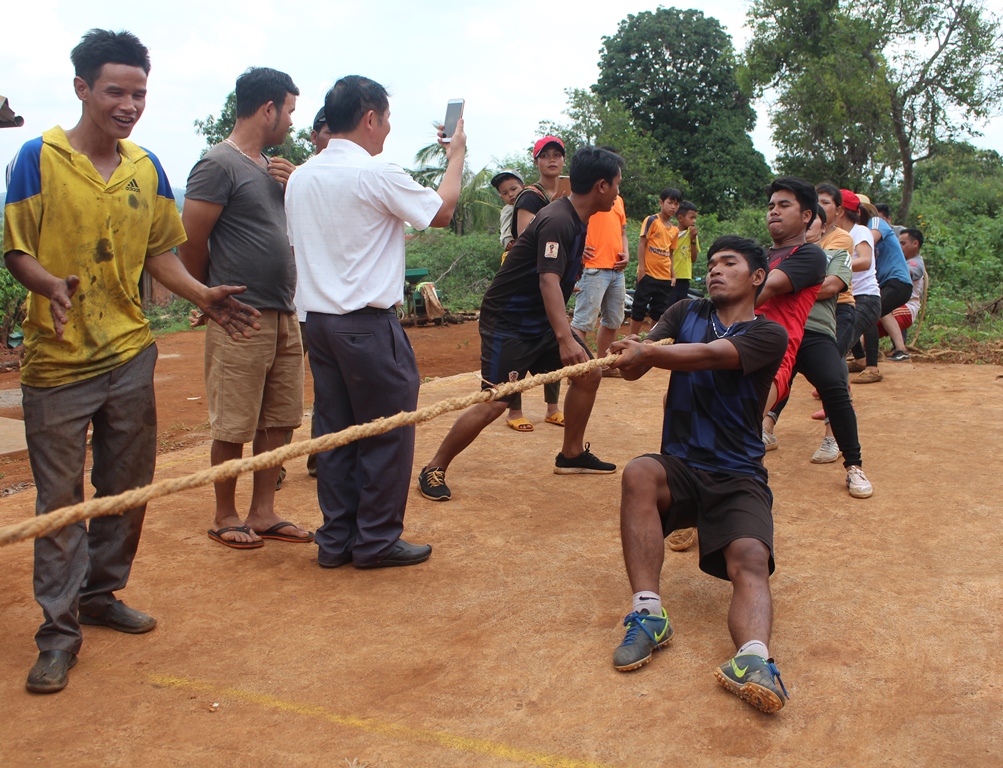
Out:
{"x": 346, "y": 211}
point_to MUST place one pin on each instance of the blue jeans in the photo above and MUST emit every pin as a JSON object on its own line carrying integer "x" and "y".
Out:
{"x": 601, "y": 297}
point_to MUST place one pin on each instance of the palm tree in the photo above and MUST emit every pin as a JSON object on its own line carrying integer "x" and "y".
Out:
{"x": 478, "y": 205}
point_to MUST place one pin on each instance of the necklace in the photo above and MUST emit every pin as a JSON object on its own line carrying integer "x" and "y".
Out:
{"x": 727, "y": 331}
{"x": 227, "y": 141}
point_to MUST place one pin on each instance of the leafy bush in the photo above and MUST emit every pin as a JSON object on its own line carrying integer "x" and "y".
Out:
{"x": 461, "y": 266}
{"x": 12, "y": 296}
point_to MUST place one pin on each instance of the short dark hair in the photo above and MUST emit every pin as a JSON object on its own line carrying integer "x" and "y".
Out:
{"x": 101, "y": 46}
{"x": 825, "y": 188}
{"x": 671, "y": 193}
{"x": 685, "y": 207}
{"x": 589, "y": 165}
{"x": 350, "y": 99}
{"x": 883, "y": 209}
{"x": 802, "y": 190}
{"x": 820, "y": 212}
{"x": 915, "y": 234}
{"x": 752, "y": 251}
{"x": 260, "y": 85}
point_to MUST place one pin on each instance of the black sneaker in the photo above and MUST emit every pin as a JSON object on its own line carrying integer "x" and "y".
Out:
{"x": 899, "y": 356}
{"x": 432, "y": 484}
{"x": 584, "y": 463}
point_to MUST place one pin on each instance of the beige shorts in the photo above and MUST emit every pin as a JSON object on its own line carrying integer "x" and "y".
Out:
{"x": 256, "y": 383}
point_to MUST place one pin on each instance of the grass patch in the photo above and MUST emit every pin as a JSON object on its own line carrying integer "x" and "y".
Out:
{"x": 170, "y": 318}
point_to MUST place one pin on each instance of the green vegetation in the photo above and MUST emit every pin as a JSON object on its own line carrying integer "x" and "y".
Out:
{"x": 296, "y": 149}
{"x": 170, "y": 318}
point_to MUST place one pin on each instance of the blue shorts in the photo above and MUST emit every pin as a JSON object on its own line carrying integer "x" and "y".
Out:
{"x": 602, "y": 291}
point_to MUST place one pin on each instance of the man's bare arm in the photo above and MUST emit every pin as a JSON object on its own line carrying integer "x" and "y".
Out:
{"x": 217, "y": 303}
{"x": 557, "y": 313}
{"x": 636, "y": 358}
{"x": 452, "y": 179}
{"x": 32, "y": 275}
{"x": 199, "y": 217}
{"x": 777, "y": 284}
{"x": 832, "y": 285}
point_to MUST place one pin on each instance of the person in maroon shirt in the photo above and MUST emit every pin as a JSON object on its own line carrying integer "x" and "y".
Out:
{"x": 797, "y": 270}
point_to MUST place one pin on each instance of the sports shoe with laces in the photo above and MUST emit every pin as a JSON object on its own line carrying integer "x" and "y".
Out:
{"x": 754, "y": 680}
{"x": 645, "y": 633}
{"x": 827, "y": 453}
{"x": 585, "y": 463}
{"x": 858, "y": 484}
{"x": 432, "y": 484}
{"x": 769, "y": 441}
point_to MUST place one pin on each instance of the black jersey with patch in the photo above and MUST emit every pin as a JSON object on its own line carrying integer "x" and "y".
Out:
{"x": 714, "y": 419}
{"x": 553, "y": 242}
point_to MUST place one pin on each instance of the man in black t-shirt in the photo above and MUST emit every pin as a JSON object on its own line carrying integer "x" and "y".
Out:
{"x": 709, "y": 472}
{"x": 524, "y": 323}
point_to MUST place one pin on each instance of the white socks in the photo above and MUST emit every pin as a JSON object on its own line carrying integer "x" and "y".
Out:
{"x": 755, "y": 647}
{"x": 648, "y": 601}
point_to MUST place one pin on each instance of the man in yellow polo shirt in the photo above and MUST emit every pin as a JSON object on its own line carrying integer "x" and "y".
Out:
{"x": 86, "y": 212}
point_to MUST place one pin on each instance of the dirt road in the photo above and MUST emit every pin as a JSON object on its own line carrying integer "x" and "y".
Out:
{"x": 497, "y": 652}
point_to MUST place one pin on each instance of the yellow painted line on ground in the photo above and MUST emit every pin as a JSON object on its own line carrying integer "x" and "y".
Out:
{"x": 392, "y": 730}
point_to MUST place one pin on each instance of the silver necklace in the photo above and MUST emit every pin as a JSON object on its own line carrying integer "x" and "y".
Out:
{"x": 227, "y": 141}
{"x": 727, "y": 331}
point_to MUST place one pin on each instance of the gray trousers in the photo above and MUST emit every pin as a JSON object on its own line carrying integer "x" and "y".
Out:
{"x": 363, "y": 368}
{"x": 79, "y": 567}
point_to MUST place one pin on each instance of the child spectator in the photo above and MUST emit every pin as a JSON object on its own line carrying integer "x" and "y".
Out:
{"x": 509, "y": 185}
{"x": 659, "y": 238}
{"x": 685, "y": 252}
{"x": 894, "y": 325}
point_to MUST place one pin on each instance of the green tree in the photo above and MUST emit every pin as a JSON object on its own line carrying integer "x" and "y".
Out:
{"x": 296, "y": 149}
{"x": 478, "y": 205}
{"x": 871, "y": 90}
{"x": 675, "y": 73}
{"x": 599, "y": 123}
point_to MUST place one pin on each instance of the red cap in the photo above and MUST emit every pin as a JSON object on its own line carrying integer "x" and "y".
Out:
{"x": 850, "y": 200}
{"x": 542, "y": 144}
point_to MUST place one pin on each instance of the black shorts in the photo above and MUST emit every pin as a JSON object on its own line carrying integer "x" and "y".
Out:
{"x": 721, "y": 507}
{"x": 504, "y": 359}
{"x": 651, "y": 297}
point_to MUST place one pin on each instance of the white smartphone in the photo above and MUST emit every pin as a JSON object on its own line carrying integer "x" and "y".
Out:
{"x": 454, "y": 111}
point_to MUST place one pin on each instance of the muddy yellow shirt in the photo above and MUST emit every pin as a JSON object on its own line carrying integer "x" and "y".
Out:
{"x": 63, "y": 213}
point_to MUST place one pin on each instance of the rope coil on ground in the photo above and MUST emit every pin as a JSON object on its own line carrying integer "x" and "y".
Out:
{"x": 43, "y": 525}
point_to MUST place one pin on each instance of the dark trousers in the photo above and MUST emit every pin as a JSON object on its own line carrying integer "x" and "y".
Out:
{"x": 846, "y": 321}
{"x": 894, "y": 293}
{"x": 79, "y": 567}
{"x": 680, "y": 291}
{"x": 363, "y": 369}
{"x": 868, "y": 312}
{"x": 551, "y": 396}
{"x": 820, "y": 362}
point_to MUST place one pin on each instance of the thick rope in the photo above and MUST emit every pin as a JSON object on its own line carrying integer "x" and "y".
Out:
{"x": 42, "y": 525}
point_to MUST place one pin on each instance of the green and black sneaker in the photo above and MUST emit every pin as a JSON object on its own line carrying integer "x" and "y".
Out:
{"x": 754, "y": 680}
{"x": 645, "y": 633}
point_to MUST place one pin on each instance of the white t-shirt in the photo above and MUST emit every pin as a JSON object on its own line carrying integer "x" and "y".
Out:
{"x": 864, "y": 283}
{"x": 345, "y": 212}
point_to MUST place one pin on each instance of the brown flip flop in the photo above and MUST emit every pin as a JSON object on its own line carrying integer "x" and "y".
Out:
{"x": 273, "y": 533}
{"x": 218, "y": 536}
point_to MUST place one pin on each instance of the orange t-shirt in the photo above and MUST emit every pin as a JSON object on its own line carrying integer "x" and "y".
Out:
{"x": 840, "y": 239}
{"x": 662, "y": 240}
{"x": 606, "y": 236}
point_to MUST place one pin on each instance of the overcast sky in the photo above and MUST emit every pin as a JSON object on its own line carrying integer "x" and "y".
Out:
{"x": 511, "y": 61}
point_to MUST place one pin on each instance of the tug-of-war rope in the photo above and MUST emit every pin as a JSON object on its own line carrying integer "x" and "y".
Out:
{"x": 42, "y": 525}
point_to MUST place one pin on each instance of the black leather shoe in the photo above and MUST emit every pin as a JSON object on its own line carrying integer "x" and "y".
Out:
{"x": 121, "y": 617}
{"x": 51, "y": 672}
{"x": 334, "y": 562}
{"x": 402, "y": 554}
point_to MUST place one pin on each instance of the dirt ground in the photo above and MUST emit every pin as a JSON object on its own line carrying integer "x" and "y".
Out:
{"x": 497, "y": 652}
